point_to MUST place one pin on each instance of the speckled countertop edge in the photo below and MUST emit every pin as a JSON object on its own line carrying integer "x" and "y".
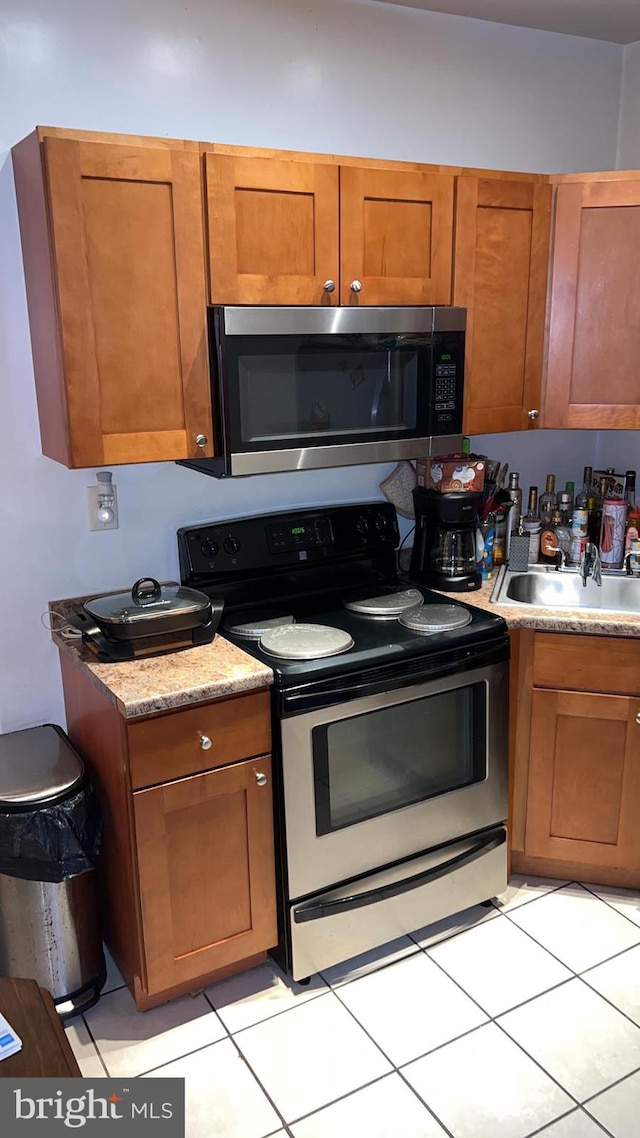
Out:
{"x": 155, "y": 684}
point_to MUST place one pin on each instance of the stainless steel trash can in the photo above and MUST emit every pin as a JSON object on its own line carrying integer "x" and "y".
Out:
{"x": 49, "y": 840}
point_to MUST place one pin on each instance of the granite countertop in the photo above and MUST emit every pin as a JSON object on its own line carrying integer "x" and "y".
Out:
{"x": 162, "y": 683}
{"x": 590, "y": 621}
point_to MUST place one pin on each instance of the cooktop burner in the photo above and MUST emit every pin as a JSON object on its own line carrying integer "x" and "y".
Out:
{"x": 254, "y": 625}
{"x": 385, "y": 605}
{"x": 306, "y": 642}
{"x": 435, "y": 618}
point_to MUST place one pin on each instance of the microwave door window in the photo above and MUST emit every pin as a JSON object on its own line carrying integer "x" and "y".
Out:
{"x": 326, "y": 393}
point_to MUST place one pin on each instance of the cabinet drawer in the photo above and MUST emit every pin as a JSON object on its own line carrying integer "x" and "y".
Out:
{"x": 586, "y": 663}
{"x": 170, "y": 746}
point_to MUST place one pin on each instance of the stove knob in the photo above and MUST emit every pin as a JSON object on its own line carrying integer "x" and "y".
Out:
{"x": 231, "y": 545}
{"x": 209, "y": 548}
{"x": 380, "y": 523}
{"x": 362, "y": 526}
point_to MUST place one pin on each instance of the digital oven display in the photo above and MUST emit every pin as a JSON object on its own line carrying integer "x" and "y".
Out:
{"x": 292, "y": 536}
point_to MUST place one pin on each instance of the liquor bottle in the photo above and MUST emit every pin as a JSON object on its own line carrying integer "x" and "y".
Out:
{"x": 548, "y": 500}
{"x": 553, "y": 537}
{"x": 582, "y": 498}
{"x": 594, "y": 505}
{"x": 632, "y": 524}
{"x": 515, "y": 493}
{"x": 531, "y": 525}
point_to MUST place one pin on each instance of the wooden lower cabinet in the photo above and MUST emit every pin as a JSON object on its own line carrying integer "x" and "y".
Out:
{"x": 576, "y": 758}
{"x": 205, "y": 865}
{"x": 186, "y": 868}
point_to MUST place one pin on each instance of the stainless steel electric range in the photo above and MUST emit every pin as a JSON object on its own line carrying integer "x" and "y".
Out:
{"x": 390, "y": 724}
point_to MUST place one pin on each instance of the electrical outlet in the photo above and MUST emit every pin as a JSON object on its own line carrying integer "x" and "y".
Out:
{"x": 102, "y": 505}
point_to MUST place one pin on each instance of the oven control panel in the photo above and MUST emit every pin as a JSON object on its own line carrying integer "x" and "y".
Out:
{"x": 218, "y": 550}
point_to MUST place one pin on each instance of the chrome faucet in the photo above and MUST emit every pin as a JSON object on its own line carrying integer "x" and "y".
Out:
{"x": 590, "y": 565}
{"x": 561, "y": 559}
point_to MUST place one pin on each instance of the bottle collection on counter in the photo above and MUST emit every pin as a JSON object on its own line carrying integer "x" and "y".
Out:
{"x": 560, "y": 523}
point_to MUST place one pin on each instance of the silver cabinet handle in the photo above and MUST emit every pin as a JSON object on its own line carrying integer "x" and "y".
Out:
{"x": 329, "y": 286}
{"x": 356, "y": 286}
{"x": 205, "y": 742}
{"x": 261, "y": 779}
{"x": 638, "y": 718}
{"x": 533, "y": 414}
{"x": 201, "y": 440}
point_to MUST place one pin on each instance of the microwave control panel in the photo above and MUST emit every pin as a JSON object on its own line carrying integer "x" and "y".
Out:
{"x": 447, "y": 387}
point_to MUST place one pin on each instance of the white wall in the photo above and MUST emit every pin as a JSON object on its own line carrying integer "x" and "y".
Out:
{"x": 628, "y": 157}
{"x": 348, "y": 76}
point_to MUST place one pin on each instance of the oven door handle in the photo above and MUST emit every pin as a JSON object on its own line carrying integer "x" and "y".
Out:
{"x": 315, "y": 910}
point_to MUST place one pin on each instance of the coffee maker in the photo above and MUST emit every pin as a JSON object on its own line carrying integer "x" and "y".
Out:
{"x": 444, "y": 545}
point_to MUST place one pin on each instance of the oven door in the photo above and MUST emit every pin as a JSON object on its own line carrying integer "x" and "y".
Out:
{"x": 312, "y": 387}
{"x": 374, "y": 780}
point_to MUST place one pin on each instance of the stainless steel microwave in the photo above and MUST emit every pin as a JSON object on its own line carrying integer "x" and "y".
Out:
{"x": 304, "y": 388}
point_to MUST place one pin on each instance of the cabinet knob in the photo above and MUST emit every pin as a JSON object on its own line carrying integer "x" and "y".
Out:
{"x": 205, "y": 742}
{"x": 329, "y": 286}
{"x": 261, "y": 779}
{"x": 356, "y": 286}
{"x": 201, "y": 440}
{"x": 638, "y": 718}
{"x": 533, "y": 414}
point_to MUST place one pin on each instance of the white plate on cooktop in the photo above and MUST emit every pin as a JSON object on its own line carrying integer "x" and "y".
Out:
{"x": 388, "y": 604}
{"x": 306, "y": 642}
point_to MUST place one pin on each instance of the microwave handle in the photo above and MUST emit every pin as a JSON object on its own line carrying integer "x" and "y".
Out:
{"x": 315, "y": 910}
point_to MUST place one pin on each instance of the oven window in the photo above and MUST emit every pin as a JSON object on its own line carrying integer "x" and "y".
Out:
{"x": 283, "y": 391}
{"x": 389, "y": 758}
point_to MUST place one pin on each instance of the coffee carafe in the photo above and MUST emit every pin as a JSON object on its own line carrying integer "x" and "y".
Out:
{"x": 444, "y": 545}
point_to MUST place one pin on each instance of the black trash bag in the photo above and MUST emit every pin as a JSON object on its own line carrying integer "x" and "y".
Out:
{"x": 51, "y": 843}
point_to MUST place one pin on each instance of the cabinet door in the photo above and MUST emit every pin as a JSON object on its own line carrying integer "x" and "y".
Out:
{"x": 594, "y": 334}
{"x": 396, "y": 232}
{"x": 206, "y": 871}
{"x": 273, "y": 231}
{"x": 127, "y": 240}
{"x": 584, "y": 779}
{"x": 500, "y": 277}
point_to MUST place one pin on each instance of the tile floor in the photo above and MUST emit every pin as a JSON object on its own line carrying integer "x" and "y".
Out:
{"x": 503, "y": 1022}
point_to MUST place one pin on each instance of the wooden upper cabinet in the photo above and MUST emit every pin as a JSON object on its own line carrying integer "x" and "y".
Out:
{"x": 281, "y": 229}
{"x": 396, "y": 235}
{"x": 273, "y": 230}
{"x": 206, "y": 871}
{"x": 594, "y": 335}
{"x": 113, "y": 247}
{"x": 502, "y": 233}
{"x": 584, "y": 779}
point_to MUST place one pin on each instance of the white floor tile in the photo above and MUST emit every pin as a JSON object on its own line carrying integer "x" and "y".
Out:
{"x": 84, "y": 1050}
{"x": 368, "y": 961}
{"x": 575, "y": 928}
{"x": 522, "y": 889}
{"x": 498, "y": 965}
{"x": 386, "y": 1109}
{"x": 450, "y": 926}
{"x": 483, "y": 1086}
{"x": 619, "y": 1108}
{"x": 619, "y": 981}
{"x": 574, "y": 1125}
{"x": 259, "y": 994}
{"x": 131, "y": 1042}
{"x": 222, "y": 1096}
{"x": 626, "y": 901}
{"x": 310, "y": 1056}
{"x": 577, "y": 1037}
{"x": 410, "y": 1008}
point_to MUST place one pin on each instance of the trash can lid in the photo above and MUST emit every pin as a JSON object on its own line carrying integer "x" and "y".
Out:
{"x": 37, "y": 765}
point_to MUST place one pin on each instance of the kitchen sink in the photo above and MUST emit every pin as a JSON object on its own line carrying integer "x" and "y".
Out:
{"x": 546, "y": 587}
